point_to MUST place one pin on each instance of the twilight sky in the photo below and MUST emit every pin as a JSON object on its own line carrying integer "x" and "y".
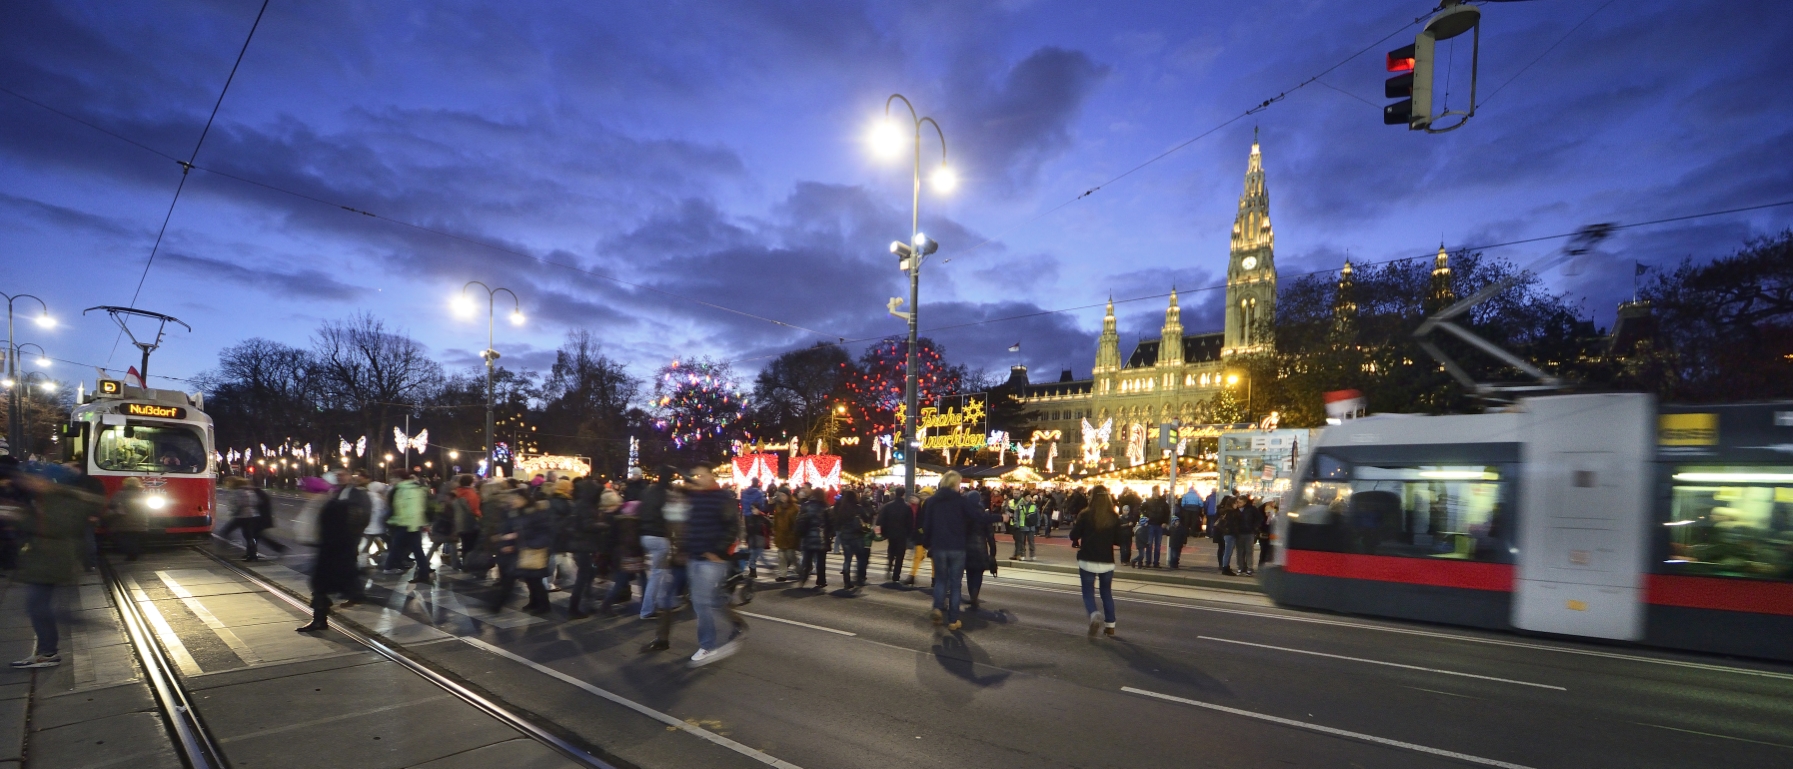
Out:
{"x": 715, "y": 151}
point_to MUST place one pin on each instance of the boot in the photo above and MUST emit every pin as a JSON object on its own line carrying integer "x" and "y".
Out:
{"x": 320, "y": 621}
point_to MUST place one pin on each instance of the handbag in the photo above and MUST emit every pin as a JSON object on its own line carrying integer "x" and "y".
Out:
{"x": 477, "y": 560}
{"x": 532, "y": 558}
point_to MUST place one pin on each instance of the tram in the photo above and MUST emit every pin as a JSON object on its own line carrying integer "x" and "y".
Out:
{"x": 163, "y": 438}
{"x": 1602, "y": 516}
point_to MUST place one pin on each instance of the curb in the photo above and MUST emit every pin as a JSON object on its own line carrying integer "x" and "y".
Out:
{"x": 1147, "y": 575}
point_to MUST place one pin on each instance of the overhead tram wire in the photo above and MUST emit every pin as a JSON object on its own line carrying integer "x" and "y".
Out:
{"x": 1559, "y": 41}
{"x": 1260, "y": 107}
{"x": 186, "y": 167}
{"x": 421, "y": 228}
{"x": 1220, "y": 286}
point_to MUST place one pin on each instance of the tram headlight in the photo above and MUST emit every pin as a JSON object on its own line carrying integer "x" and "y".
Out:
{"x": 156, "y": 502}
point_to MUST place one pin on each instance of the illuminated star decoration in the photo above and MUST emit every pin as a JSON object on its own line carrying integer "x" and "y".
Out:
{"x": 696, "y": 401}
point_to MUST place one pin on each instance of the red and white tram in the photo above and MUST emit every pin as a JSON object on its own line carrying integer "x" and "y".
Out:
{"x": 162, "y": 437}
{"x": 1601, "y": 516}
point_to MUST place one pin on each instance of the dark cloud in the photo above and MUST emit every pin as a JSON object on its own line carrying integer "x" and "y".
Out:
{"x": 304, "y": 282}
{"x": 1016, "y": 122}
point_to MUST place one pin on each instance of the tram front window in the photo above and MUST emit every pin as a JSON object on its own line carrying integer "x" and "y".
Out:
{"x": 1421, "y": 511}
{"x": 141, "y": 448}
{"x": 1732, "y": 522}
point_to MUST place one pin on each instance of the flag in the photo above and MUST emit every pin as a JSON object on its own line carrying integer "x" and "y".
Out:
{"x": 1641, "y": 269}
{"x": 1016, "y": 347}
{"x": 132, "y": 377}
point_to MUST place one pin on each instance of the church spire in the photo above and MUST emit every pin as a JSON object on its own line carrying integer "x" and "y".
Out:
{"x": 1108, "y": 347}
{"x": 1440, "y": 294}
{"x": 1251, "y": 266}
{"x": 1170, "y": 341}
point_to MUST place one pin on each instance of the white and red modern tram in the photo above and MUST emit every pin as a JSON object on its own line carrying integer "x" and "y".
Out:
{"x": 163, "y": 438}
{"x": 1601, "y": 516}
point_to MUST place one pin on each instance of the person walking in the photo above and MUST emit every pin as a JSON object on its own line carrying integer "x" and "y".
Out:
{"x": 655, "y": 542}
{"x": 1216, "y": 512}
{"x": 945, "y": 526}
{"x": 980, "y": 548}
{"x": 896, "y": 521}
{"x": 343, "y": 516}
{"x": 1266, "y": 532}
{"x": 464, "y": 507}
{"x": 1094, "y": 534}
{"x": 582, "y": 536}
{"x": 1182, "y": 514}
{"x": 525, "y": 549}
{"x": 753, "y": 498}
{"x": 1227, "y": 528}
{"x": 1251, "y": 521}
{"x": 409, "y": 519}
{"x": 620, "y": 550}
{"x": 711, "y": 531}
{"x": 784, "y": 534}
{"x": 852, "y": 533}
{"x": 757, "y": 532}
{"x": 52, "y": 557}
{"x": 376, "y": 541}
{"x": 815, "y": 532}
{"x": 1127, "y": 511}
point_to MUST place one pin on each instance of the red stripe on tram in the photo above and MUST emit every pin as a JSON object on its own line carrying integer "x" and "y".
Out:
{"x": 1470, "y": 575}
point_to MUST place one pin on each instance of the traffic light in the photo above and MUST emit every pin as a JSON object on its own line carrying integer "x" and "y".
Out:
{"x": 1412, "y": 83}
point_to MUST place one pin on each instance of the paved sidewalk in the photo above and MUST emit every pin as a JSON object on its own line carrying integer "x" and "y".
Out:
{"x": 1199, "y": 563}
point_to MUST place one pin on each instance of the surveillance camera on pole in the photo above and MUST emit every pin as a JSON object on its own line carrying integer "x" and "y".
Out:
{"x": 1415, "y": 64}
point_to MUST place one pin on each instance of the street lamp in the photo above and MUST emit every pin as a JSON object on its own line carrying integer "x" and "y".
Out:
{"x": 465, "y": 305}
{"x": 888, "y": 138}
{"x": 14, "y": 431}
{"x": 1233, "y": 380}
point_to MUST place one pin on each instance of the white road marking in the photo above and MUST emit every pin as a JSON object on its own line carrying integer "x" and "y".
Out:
{"x": 1329, "y": 730}
{"x": 1709, "y": 734}
{"x": 1430, "y": 634}
{"x": 171, "y": 641}
{"x": 699, "y": 731}
{"x": 794, "y": 622}
{"x": 205, "y": 615}
{"x": 1380, "y": 662}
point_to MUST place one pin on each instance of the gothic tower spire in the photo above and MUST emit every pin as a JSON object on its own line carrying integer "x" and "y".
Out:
{"x": 1440, "y": 293}
{"x": 1251, "y": 266}
{"x": 1108, "y": 347}
{"x": 1170, "y": 342}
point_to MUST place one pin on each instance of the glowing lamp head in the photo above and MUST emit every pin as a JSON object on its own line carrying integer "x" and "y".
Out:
{"x": 156, "y": 502}
{"x": 43, "y": 362}
{"x": 945, "y": 179}
{"x": 462, "y": 304}
{"x": 886, "y": 139}
{"x": 517, "y": 318}
{"x": 1232, "y": 379}
{"x": 45, "y": 321}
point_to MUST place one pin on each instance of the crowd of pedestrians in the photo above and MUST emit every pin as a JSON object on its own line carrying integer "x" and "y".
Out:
{"x": 652, "y": 546}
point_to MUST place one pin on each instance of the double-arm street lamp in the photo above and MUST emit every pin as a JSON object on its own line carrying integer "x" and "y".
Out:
{"x": 467, "y": 305}
{"x": 14, "y": 433}
{"x": 889, "y": 139}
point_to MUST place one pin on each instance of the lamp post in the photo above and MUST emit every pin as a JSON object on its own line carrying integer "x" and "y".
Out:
{"x": 890, "y": 138}
{"x": 465, "y": 304}
{"x": 14, "y": 433}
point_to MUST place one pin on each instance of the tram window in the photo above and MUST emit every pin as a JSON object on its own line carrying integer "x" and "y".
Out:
{"x": 1731, "y": 522}
{"x": 149, "y": 449}
{"x": 1429, "y": 511}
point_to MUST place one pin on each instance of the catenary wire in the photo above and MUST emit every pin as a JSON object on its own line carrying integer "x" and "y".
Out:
{"x": 1559, "y": 41}
{"x": 186, "y": 167}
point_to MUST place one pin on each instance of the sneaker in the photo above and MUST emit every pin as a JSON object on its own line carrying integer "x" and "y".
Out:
{"x": 938, "y": 616}
{"x": 39, "y": 661}
{"x": 704, "y": 657}
{"x": 1109, "y": 630}
{"x": 1095, "y": 623}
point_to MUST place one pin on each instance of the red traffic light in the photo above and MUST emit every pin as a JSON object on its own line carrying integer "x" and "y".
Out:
{"x": 1401, "y": 59}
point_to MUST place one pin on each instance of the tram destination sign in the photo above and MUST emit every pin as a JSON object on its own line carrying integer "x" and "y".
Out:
{"x": 153, "y": 410}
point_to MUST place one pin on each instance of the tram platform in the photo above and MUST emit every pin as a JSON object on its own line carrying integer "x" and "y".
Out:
{"x": 383, "y": 688}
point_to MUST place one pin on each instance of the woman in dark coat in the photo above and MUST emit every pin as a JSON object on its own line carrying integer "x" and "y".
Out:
{"x": 580, "y": 534}
{"x": 620, "y": 549}
{"x": 1095, "y": 533}
{"x": 344, "y": 515}
{"x": 525, "y": 550}
{"x": 980, "y": 550}
{"x": 814, "y": 532}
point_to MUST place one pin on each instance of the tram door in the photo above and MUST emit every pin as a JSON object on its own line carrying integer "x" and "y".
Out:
{"x": 1582, "y": 538}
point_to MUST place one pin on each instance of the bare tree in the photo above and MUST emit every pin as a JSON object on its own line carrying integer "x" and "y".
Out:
{"x": 587, "y": 397}
{"x": 263, "y": 389}
{"x": 368, "y": 369}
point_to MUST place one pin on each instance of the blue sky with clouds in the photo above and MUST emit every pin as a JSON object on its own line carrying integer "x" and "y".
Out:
{"x": 715, "y": 152}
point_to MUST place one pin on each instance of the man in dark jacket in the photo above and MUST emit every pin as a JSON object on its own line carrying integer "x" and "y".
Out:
{"x": 946, "y": 521}
{"x": 658, "y": 594}
{"x": 814, "y": 532}
{"x": 65, "y": 512}
{"x": 345, "y": 513}
{"x": 896, "y": 521}
{"x": 1156, "y": 512}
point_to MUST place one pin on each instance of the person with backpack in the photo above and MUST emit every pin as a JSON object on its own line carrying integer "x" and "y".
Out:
{"x": 852, "y": 532}
{"x": 342, "y": 515}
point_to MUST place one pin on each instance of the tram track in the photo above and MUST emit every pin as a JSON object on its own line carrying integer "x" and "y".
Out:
{"x": 197, "y": 744}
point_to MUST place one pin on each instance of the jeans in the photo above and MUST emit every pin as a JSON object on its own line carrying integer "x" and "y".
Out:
{"x": 38, "y": 604}
{"x": 407, "y": 542}
{"x": 653, "y": 597}
{"x": 1090, "y": 580}
{"x": 851, "y": 549}
{"x": 754, "y": 554}
{"x": 949, "y": 571}
{"x": 1023, "y": 544}
{"x": 814, "y": 562}
{"x": 1154, "y": 554}
{"x": 706, "y": 598}
{"x": 1238, "y": 548}
{"x": 1220, "y": 550}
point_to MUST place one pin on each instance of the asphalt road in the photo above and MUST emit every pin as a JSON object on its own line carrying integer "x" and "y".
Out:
{"x": 865, "y": 680}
